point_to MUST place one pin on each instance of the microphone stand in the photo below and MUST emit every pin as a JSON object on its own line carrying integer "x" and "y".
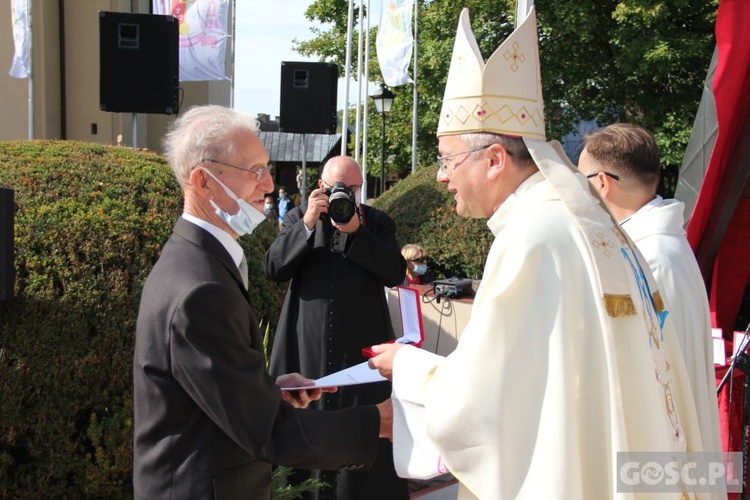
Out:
{"x": 741, "y": 361}
{"x": 735, "y": 361}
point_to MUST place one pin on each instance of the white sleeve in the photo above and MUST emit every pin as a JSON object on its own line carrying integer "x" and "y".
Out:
{"x": 414, "y": 454}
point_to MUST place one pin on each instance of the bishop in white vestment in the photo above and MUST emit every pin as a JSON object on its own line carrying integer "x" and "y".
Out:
{"x": 564, "y": 363}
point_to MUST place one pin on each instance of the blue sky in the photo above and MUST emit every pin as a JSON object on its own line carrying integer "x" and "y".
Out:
{"x": 265, "y": 30}
{"x": 264, "y": 34}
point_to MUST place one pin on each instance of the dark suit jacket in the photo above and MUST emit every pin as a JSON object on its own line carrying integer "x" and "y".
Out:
{"x": 334, "y": 307}
{"x": 208, "y": 418}
{"x": 336, "y": 302}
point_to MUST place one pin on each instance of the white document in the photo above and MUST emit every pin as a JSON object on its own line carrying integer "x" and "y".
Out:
{"x": 354, "y": 375}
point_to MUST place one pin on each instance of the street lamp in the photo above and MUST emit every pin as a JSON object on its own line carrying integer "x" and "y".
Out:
{"x": 383, "y": 101}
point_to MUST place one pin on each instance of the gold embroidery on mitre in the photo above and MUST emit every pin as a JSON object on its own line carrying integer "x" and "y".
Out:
{"x": 462, "y": 114}
{"x": 501, "y": 96}
{"x": 658, "y": 302}
{"x": 619, "y": 305}
{"x": 483, "y": 114}
{"x": 514, "y": 57}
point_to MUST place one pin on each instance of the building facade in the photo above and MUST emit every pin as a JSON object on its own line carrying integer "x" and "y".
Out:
{"x": 62, "y": 94}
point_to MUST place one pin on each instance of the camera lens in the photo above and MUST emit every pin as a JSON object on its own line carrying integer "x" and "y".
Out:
{"x": 340, "y": 208}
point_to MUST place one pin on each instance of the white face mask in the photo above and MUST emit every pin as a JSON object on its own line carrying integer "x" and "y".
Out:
{"x": 420, "y": 269}
{"x": 246, "y": 219}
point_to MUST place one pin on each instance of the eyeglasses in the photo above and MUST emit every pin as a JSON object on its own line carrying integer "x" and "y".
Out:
{"x": 442, "y": 161}
{"x": 419, "y": 260}
{"x": 355, "y": 189}
{"x": 608, "y": 174}
{"x": 259, "y": 173}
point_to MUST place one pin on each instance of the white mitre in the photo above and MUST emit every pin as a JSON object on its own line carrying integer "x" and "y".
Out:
{"x": 503, "y": 96}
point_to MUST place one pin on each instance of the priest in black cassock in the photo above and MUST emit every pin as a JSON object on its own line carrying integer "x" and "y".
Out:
{"x": 335, "y": 306}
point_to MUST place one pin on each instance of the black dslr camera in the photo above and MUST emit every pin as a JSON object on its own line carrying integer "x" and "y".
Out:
{"x": 341, "y": 205}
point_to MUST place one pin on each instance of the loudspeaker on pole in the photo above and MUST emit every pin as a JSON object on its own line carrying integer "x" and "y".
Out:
{"x": 138, "y": 63}
{"x": 308, "y": 97}
{"x": 7, "y": 247}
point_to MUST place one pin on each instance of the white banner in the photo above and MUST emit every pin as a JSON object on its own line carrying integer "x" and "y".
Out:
{"x": 394, "y": 42}
{"x": 203, "y": 37}
{"x": 21, "y": 66}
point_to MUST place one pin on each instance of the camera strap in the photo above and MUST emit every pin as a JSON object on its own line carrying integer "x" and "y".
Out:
{"x": 360, "y": 214}
{"x": 339, "y": 238}
{"x": 338, "y": 241}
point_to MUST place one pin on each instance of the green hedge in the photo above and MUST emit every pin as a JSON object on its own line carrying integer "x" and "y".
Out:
{"x": 90, "y": 221}
{"x": 425, "y": 213}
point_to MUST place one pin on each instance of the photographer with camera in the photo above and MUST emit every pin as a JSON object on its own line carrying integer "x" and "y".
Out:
{"x": 338, "y": 255}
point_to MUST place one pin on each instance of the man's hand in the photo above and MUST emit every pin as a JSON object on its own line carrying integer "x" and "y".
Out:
{"x": 386, "y": 419}
{"x": 300, "y": 398}
{"x": 383, "y": 360}
{"x": 317, "y": 204}
{"x": 350, "y": 227}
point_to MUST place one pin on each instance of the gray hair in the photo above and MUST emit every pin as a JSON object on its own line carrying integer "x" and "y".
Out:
{"x": 513, "y": 145}
{"x": 204, "y": 132}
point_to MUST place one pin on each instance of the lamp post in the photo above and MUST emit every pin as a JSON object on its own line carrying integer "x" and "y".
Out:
{"x": 383, "y": 100}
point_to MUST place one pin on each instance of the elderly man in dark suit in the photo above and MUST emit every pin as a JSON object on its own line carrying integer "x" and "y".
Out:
{"x": 209, "y": 420}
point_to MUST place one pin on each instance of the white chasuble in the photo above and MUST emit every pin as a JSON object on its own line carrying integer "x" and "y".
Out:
{"x": 657, "y": 230}
{"x": 562, "y": 364}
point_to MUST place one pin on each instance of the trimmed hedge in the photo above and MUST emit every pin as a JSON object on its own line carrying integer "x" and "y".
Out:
{"x": 425, "y": 213}
{"x": 90, "y": 221}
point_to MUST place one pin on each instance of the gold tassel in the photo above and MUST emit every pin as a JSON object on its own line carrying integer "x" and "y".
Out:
{"x": 619, "y": 305}
{"x": 658, "y": 302}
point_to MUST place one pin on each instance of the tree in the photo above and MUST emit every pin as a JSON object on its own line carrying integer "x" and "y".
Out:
{"x": 631, "y": 61}
{"x": 604, "y": 60}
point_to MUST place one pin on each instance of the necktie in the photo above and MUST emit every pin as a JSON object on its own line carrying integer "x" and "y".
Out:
{"x": 243, "y": 270}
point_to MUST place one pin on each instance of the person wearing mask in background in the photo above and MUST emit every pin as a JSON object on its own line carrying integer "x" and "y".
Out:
{"x": 208, "y": 419}
{"x": 284, "y": 204}
{"x": 416, "y": 265}
{"x": 269, "y": 208}
{"x": 335, "y": 305}
{"x": 622, "y": 161}
{"x": 563, "y": 364}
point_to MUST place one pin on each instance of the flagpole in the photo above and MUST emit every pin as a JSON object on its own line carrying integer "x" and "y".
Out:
{"x": 522, "y": 10}
{"x": 357, "y": 126}
{"x": 347, "y": 73}
{"x": 414, "y": 110}
{"x": 363, "y": 193}
{"x": 232, "y": 62}
{"x": 31, "y": 70}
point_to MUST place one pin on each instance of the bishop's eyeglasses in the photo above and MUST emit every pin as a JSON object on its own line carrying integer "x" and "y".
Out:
{"x": 442, "y": 161}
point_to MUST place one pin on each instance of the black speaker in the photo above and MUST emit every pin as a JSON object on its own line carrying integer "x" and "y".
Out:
{"x": 7, "y": 274}
{"x": 308, "y": 97}
{"x": 138, "y": 63}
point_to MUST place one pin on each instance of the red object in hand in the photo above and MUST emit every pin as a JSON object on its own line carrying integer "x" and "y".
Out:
{"x": 369, "y": 353}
